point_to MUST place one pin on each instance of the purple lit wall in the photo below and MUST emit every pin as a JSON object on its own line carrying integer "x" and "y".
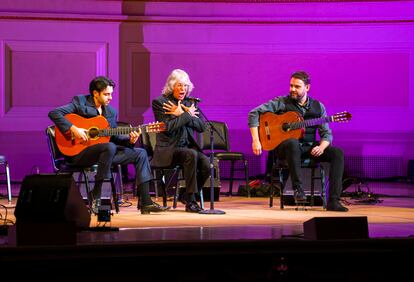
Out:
{"x": 238, "y": 54}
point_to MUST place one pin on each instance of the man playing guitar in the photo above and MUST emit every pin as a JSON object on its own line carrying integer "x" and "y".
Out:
{"x": 293, "y": 149}
{"x": 119, "y": 150}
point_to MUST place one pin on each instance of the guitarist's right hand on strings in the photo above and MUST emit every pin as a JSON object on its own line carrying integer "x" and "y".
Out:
{"x": 79, "y": 133}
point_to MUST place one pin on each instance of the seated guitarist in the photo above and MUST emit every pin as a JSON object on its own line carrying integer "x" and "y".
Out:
{"x": 292, "y": 149}
{"x": 120, "y": 149}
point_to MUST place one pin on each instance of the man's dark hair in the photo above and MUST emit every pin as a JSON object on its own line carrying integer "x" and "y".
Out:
{"x": 100, "y": 83}
{"x": 302, "y": 76}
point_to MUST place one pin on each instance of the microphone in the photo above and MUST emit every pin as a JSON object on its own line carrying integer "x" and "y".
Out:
{"x": 193, "y": 99}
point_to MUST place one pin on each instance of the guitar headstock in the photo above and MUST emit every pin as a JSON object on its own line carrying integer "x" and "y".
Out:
{"x": 342, "y": 117}
{"x": 156, "y": 127}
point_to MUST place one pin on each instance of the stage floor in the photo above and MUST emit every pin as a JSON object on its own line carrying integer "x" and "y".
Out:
{"x": 250, "y": 219}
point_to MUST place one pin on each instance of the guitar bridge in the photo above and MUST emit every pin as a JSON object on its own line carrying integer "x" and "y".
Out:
{"x": 267, "y": 130}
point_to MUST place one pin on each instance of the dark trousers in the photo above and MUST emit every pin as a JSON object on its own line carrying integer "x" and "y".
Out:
{"x": 293, "y": 151}
{"x": 106, "y": 155}
{"x": 196, "y": 167}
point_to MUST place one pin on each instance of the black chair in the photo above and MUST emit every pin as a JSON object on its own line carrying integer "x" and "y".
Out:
{"x": 279, "y": 173}
{"x": 167, "y": 176}
{"x": 224, "y": 153}
{"x": 61, "y": 166}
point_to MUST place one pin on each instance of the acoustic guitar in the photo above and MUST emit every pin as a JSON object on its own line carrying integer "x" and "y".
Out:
{"x": 99, "y": 131}
{"x": 274, "y": 129}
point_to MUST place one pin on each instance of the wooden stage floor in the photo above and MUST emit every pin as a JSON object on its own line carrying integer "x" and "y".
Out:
{"x": 250, "y": 218}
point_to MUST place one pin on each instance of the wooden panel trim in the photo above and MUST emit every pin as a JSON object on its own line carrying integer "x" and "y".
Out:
{"x": 7, "y": 47}
{"x": 179, "y": 20}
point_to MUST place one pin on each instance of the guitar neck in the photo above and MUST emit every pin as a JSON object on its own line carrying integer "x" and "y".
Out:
{"x": 310, "y": 122}
{"x": 121, "y": 130}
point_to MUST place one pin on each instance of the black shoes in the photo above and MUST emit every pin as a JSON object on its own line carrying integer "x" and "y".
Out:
{"x": 190, "y": 206}
{"x": 299, "y": 196}
{"x": 193, "y": 207}
{"x": 154, "y": 207}
{"x": 336, "y": 206}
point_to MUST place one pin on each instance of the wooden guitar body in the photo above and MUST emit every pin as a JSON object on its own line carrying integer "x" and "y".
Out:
{"x": 99, "y": 131}
{"x": 70, "y": 146}
{"x": 271, "y": 132}
{"x": 274, "y": 129}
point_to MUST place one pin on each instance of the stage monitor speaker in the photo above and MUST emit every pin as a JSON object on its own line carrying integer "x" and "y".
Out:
{"x": 334, "y": 228}
{"x": 51, "y": 198}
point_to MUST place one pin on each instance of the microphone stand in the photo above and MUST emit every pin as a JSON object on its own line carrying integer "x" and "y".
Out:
{"x": 212, "y": 129}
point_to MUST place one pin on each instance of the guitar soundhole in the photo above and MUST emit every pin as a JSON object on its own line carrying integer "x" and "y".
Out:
{"x": 285, "y": 127}
{"x": 93, "y": 133}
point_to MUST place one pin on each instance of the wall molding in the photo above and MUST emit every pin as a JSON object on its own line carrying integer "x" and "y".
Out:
{"x": 267, "y": 12}
{"x": 190, "y": 20}
{"x": 11, "y": 113}
{"x": 131, "y": 49}
{"x": 266, "y": 1}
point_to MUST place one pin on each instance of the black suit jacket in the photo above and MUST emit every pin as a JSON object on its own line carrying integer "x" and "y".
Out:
{"x": 84, "y": 106}
{"x": 167, "y": 140}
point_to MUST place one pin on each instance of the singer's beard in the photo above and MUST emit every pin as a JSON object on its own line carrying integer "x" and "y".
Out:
{"x": 298, "y": 98}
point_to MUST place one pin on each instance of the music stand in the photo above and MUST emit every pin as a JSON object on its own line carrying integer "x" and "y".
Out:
{"x": 212, "y": 129}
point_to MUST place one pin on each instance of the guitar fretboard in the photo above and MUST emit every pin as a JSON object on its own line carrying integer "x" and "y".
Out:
{"x": 309, "y": 122}
{"x": 120, "y": 130}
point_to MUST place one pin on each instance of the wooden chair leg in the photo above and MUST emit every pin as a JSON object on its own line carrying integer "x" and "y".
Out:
{"x": 176, "y": 195}
{"x": 272, "y": 187}
{"x": 87, "y": 188}
{"x": 246, "y": 175}
{"x": 164, "y": 197}
{"x": 164, "y": 189}
{"x": 120, "y": 193}
{"x": 114, "y": 195}
{"x": 282, "y": 187}
{"x": 168, "y": 184}
{"x": 323, "y": 186}
{"x": 312, "y": 187}
{"x": 156, "y": 181}
{"x": 231, "y": 178}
